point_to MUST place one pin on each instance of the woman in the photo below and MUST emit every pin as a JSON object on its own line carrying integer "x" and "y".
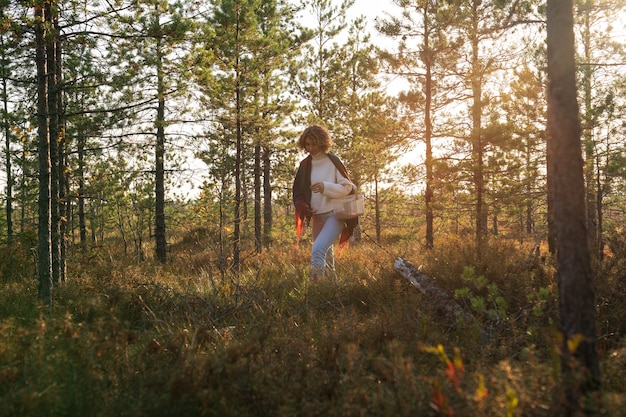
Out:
{"x": 321, "y": 177}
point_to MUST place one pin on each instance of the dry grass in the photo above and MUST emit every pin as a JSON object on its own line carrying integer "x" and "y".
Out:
{"x": 136, "y": 339}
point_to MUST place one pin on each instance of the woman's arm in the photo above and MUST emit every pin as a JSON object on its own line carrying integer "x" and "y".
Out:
{"x": 342, "y": 188}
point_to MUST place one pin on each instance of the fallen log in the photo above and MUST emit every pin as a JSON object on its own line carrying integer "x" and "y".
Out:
{"x": 440, "y": 301}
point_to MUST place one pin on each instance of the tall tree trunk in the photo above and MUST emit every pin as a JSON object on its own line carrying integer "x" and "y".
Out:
{"x": 6, "y": 127}
{"x": 476, "y": 135}
{"x": 82, "y": 223}
{"x": 44, "y": 246}
{"x": 581, "y": 371}
{"x": 22, "y": 186}
{"x": 238, "y": 156}
{"x": 528, "y": 222}
{"x": 258, "y": 231}
{"x": 267, "y": 197}
{"x": 588, "y": 141}
{"x": 238, "y": 186}
{"x": 600, "y": 223}
{"x": 62, "y": 154}
{"x": 93, "y": 222}
{"x": 54, "y": 132}
{"x": 377, "y": 207}
{"x": 7, "y": 160}
{"x": 428, "y": 131}
{"x": 222, "y": 223}
{"x": 159, "y": 226}
{"x": 550, "y": 195}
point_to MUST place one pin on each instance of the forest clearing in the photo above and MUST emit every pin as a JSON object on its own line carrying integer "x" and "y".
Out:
{"x": 141, "y": 339}
{"x": 175, "y": 173}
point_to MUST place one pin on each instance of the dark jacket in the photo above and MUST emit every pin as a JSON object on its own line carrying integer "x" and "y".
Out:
{"x": 302, "y": 196}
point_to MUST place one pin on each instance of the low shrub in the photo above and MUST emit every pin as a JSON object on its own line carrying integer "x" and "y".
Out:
{"x": 147, "y": 340}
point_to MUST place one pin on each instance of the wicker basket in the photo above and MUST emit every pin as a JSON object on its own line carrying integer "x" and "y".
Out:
{"x": 349, "y": 207}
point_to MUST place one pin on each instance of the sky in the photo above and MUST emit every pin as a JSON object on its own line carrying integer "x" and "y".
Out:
{"x": 372, "y": 9}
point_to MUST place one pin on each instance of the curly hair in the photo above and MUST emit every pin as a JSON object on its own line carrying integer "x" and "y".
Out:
{"x": 319, "y": 135}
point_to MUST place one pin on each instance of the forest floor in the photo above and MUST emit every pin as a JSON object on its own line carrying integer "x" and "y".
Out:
{"x": 128, "y": 338}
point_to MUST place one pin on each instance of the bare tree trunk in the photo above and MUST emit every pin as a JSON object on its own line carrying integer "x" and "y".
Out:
{"x": 377, "y": 207}
{"x": 159, "y": 226}
{"x": 477, "y": 141}
{"x": 62, "y": 155}
{"x": 82, "y": 223}
{"x": 7, "y": 161}
{"x": 587, "y": 135}
{"x": 528, "y": 221}
{"x": 222, "y": 249}
{"x": 238, "y": 160}
{"x": 238, "y": 191}
{"x": 581, "y": 371}
{"x": 6, "y": 127}
{"x": 258, "y": 227}
{"x": 22, "y": 201}
{"x": 54, "y": 132}
{"x": 428, "y": 132}
{"x": 267, "y": 197}
{"x": 93, "y": 222}
{"x": 120, "y": 222}
{"x": 550, "y": 193}
{"x": 600, "y": 224}
{"x": 44, "y": 246}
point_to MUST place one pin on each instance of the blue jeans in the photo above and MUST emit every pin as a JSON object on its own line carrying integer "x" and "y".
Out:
{"x": 325, "y": 229}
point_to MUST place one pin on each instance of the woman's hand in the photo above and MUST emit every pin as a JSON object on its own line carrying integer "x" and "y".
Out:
{"x": 318, "y": 187}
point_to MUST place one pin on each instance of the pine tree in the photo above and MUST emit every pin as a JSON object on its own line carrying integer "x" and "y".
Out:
{"x": 89, "y": 109}
{"x": 247, "y": 44}
{"x": 581, "y": 370}
{"x": 274, "y": 51}
{"x": 424, "y": 23}
{"x": 44, "y": 247}
{"x": 597, "y": 71}
{"x": 478, "y": 24}
{"x": 368, "y": 127}
{"x": 8, "y": 51}
{"x": 524, "y": 111}
{"x": 151, "y": 44}
{"x": 315, "y": 74}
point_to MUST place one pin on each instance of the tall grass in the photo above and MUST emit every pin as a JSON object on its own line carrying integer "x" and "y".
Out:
{"x": 136, "y": 339}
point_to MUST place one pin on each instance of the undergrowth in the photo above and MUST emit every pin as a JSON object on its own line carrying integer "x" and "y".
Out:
{"x": 136, "y": 339}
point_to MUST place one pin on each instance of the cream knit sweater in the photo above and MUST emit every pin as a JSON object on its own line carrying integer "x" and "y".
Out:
{"x": 335, "y": 184}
